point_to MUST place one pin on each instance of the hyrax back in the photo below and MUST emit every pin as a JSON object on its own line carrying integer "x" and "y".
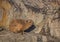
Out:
{"x": 19, "y": 25}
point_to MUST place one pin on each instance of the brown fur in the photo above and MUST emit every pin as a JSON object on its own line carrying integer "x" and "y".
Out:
{"x": 5, "y": 5}
{"x": 19, "y": 25}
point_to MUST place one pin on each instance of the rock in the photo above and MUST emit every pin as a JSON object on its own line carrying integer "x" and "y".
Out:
{"x": 46, "y": 18}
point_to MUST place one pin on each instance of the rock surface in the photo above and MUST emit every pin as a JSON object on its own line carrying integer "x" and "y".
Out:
{"x": 46, "y": 17}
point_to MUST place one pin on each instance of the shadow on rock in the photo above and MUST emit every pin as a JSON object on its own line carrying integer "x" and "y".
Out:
{"x": 30, "y": 28}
